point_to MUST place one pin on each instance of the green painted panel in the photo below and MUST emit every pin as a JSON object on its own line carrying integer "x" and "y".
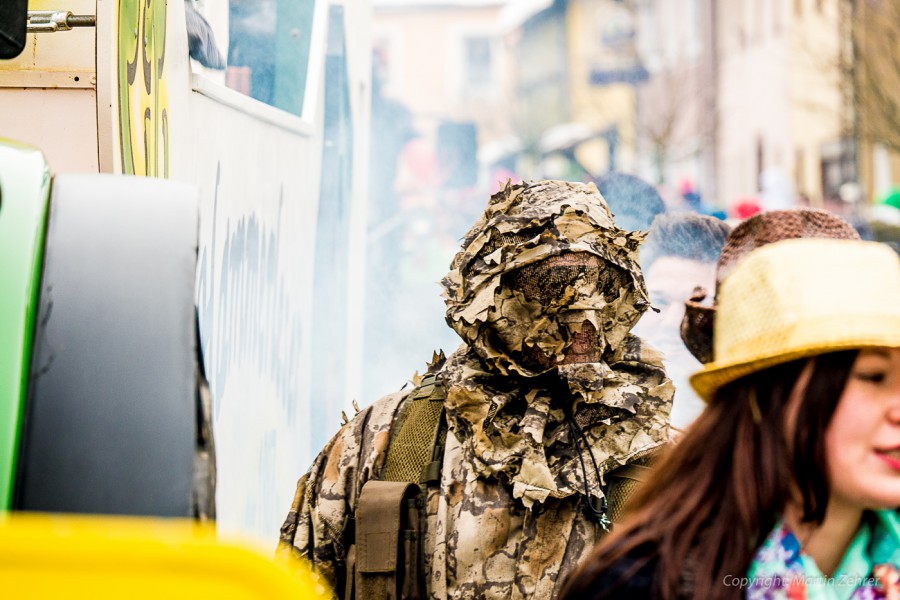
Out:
{"x": 24, "y": 193}
{"x": 293, "y": 33}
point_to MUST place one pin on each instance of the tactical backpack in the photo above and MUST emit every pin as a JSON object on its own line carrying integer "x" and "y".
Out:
{"x": 386, "y": 556}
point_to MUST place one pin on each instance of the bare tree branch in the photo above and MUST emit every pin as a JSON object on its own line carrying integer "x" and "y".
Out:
{"x": 875, "y": 72}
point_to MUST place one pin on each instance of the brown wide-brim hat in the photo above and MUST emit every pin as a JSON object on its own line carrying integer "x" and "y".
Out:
{"x": 697, "y": 326}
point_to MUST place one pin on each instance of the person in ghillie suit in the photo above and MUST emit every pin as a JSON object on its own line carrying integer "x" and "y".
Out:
{"x": 547, "y": 396}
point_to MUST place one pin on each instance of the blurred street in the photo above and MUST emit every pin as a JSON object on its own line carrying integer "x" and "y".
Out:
{"x": 727, "y": 108}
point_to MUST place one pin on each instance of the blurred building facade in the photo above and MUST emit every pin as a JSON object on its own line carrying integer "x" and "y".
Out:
{"x": 782, "y": 123}
{"x": 780, "y": 102}
{"x": 768, "y": 99}
{"x": 447, "y": 61}
{"x": 676, "y": 107}
{"x": 744, "y": 98}
{"x": 575, "y": 73}
{"x": 441, "y": 91}
{"x": 872, "y": 74}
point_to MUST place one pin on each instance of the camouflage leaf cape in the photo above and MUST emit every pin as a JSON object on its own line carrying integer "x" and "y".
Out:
{"x": 524, "y": 224}
{"x": 510, "y": 416}
{"x": 508, "y": 518}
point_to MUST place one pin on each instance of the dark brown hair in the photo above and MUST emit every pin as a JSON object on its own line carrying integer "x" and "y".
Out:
{"x": 716, "y": 494}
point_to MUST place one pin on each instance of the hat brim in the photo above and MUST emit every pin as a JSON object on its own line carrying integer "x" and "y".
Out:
{"x": 715, "y": 375}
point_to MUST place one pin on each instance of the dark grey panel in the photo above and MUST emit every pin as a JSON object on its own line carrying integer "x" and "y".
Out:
{"x": 110, "y": 421}
{"x": 13, "y": 15}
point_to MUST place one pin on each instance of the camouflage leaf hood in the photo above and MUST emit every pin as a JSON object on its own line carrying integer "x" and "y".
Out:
{"x": 512, "y": 418}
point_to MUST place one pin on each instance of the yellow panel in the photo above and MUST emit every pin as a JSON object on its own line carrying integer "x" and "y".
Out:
{"x": 117, "y": 557}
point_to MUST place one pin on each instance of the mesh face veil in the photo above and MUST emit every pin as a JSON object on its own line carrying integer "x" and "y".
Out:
{"x": 578, "y": 293}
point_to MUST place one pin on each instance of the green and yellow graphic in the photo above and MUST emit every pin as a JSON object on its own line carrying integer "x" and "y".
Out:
{"x": 143, "y": 99}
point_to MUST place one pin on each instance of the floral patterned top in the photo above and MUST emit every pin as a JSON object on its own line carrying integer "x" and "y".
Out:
{"x": 869, "y": 570}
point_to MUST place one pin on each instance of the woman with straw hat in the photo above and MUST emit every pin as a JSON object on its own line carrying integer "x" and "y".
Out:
{"x": 786, "y": 485}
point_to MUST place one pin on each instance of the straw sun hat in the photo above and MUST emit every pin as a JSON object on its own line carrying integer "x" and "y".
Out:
{"x": 798, "y": 298}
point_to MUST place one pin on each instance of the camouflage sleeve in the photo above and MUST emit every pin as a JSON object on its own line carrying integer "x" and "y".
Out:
{"x": 643, "y": 363}
{"x": 286, "y": 546}
{"x": 316, "y": 528}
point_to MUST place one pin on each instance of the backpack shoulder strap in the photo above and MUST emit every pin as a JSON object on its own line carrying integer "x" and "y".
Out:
{"x": 416, "y": 447}
{"x": 386, "y": 557}
{"x": 622, "y": 482}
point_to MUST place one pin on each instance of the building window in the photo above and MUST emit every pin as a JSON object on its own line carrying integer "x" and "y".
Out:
{"x": 758, "y": 23}
{"x": 268, "y": 53}
{"x": 838, "y": 166}
{"x": 648, "y": 36}
{"x": 799, "y": 170}
{"x": 478, "y": 62}
{"x": 776, "y": 17}
{"x": 760, "y": 161}
{"x": 694, "y": 29}
{"x": 384, "y": 66}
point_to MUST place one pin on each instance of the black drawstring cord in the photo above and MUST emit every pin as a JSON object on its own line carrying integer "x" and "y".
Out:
{"x": 601, "y": 515}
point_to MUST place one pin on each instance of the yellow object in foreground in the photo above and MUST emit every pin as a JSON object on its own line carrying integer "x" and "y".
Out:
{"x": 48, "y": 556}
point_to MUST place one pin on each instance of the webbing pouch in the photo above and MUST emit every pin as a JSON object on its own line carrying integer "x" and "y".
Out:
{"x": 388, "y": 556}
